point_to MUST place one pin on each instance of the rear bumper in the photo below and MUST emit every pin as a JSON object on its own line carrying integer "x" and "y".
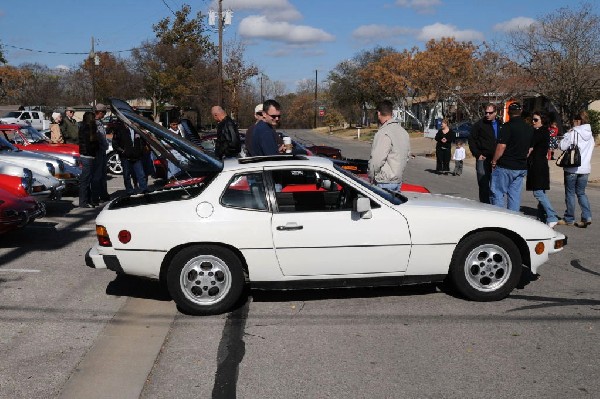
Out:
{"x": 94, "y": 260}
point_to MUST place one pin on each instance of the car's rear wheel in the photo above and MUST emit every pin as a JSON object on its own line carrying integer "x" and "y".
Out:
{"x": 486, "y": 266}
{"x": 114, "y": 164}
{"x": 205, "y": 279}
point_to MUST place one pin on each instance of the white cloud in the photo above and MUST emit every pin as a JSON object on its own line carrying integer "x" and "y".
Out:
{"x": 62, "y": 67}
{"x": 515, "y": 24}
{"x": 420, "y": 6}
{"x": 277, "y": 10}
{"x": 371, "y": 33}
{"x": 258, "y": 26}
{"x": 438, "y": 30}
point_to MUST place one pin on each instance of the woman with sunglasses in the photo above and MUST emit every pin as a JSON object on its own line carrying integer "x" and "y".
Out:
{"x": 538, "y": 172}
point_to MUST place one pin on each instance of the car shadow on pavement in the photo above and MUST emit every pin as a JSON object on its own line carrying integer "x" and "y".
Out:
{"x": 341, "y": 293}
{"x": 137, "y": 287}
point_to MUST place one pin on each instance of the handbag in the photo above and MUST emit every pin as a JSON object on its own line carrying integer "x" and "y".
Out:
{"x": 571, "y": 157}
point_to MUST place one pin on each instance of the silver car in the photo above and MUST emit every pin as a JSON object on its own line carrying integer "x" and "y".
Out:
{"x": 46, "y": 165}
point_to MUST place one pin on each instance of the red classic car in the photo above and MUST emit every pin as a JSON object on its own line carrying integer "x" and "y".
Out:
{"x": 29, "y": 139}
{"x": 17, "y": 207}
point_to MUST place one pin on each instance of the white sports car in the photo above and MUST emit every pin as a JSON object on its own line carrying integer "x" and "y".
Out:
{"x": 302, "y": 222}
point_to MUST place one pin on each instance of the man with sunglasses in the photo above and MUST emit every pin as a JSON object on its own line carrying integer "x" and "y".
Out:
{"x": 264, "y": 136}
{"x": 482, "y": 143}
{"x": 509, "y": 163}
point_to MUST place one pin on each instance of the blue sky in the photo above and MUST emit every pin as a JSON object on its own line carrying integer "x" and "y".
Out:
{"x": 287, "y": 39}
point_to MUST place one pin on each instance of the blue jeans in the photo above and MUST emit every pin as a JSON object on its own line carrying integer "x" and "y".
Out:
{"x": 546, "y": 213}
{"x": 507, "y": 182}
{"x": 575, "y": 186}
{"x": 134, "y": 169}
{"x": 390, "y": 186}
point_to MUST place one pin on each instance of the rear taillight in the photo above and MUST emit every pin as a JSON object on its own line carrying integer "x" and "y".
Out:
{"x": 103, "y": 238}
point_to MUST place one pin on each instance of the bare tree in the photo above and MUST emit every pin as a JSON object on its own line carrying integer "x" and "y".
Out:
{"x": 561, "y": 53}
{"x": 237, "y": 72}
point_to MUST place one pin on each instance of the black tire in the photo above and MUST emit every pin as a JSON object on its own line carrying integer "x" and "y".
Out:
{"x": 486, "y": 267}
{"x": 115, "y": 166}
{"x": 205, "y": 280}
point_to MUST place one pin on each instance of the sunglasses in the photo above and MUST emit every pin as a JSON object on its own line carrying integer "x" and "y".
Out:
{"x": 536, "y": 119}
{"x": 489, "y": 113}
{"x": 275, "y": 116}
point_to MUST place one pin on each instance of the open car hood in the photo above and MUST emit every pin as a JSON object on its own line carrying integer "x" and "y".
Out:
{"x": 183, "y": 153}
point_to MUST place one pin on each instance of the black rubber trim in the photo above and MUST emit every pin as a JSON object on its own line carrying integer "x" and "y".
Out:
{"x": 346, "y": 282}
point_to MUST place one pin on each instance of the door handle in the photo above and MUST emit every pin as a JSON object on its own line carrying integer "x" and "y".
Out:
{"x": 289, "y": 227}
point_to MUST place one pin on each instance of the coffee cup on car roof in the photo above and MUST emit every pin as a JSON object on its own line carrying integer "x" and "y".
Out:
{"x": 287, "y": 142}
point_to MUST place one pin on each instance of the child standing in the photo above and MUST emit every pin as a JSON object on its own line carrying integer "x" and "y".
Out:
{"x": 459, "y": 156}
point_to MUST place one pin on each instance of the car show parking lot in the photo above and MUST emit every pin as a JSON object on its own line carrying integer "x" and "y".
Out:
{"x": 71, "y": 331}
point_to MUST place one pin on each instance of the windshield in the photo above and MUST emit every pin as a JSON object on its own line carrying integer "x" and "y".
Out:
{"x": 6, "y": 145}
{"x": 12, "y": 114}
{"x": 393, "y": 197}
{"x": 33, "y": 135}
{"x": 181, "y": 152}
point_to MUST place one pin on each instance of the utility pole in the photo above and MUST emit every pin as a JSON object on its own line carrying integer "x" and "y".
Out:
{"x": 93, "y": 69}
{"x": 220, "y": 84}
{"x": 316, "y": 104}
{"x": 224, "y": 19}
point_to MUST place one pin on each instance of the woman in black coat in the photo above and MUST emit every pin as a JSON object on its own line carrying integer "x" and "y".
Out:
{"x": 443, "y": 147}
{"x": 538, "y": 172}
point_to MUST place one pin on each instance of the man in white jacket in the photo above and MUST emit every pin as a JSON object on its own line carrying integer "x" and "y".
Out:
{"x": 576, "y": 178}
{"x": 390, "y": 150}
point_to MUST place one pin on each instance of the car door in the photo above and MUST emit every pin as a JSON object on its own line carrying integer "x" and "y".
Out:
{"x": 316, "y": 232}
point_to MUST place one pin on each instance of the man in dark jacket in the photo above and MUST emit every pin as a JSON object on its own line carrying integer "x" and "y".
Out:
{"x": 510, "y": 160}
{"x": 482, "y": 143}
{"x": 228, "y": 143}
{"x": 69, "y": 128}
{"x": 128, "y": 143}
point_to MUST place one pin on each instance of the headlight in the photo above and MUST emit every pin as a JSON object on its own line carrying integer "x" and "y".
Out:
{"x": 27, "y": 180}
{"x": 51, "y": 168}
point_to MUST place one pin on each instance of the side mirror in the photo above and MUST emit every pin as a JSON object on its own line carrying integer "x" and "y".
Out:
{"x": 362, "y": 205}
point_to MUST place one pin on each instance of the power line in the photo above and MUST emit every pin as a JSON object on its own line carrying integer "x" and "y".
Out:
{"x": 69, "y": 53}
{"x": 165, "y": 3}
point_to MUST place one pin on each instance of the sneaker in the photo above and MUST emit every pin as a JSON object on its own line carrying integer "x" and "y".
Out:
{"x": 583, "y": 224}
{"x": 563, "y": 222}
{"x": 552, "y": 224}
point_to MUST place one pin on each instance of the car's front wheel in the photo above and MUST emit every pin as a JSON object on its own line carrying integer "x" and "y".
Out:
{"x": 486, "y": 266}
{"x": 205, "y": 279}
{"x": 114, "y": 164}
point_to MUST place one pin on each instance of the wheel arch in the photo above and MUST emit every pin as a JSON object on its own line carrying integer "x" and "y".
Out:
{"x": 164, "y": 267}
{"x": 514, "y": 237}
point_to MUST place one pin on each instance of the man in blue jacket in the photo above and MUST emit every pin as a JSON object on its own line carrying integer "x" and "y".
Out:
{"x": 264, "y": 137}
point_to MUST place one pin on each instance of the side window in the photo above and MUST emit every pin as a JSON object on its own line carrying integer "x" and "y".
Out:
{"x": 303, "y": 190}
{"x": 25, "y": 115}
{"x": 11, "y": 136}
{"x": 246, "y": 191}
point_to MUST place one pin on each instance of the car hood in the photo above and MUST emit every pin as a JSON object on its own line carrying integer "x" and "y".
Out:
{"x": 184, "y": 154}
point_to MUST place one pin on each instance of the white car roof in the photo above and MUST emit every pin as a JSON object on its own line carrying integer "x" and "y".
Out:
{"x": 234, "y": 164}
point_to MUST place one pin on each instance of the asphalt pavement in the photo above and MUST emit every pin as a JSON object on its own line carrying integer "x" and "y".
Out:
{"x": 70, "y": 331}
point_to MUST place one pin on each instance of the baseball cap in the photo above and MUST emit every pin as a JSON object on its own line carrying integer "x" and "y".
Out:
{"x": 258, "y": 108}
{"x": 100, "y": 107}
{"x": 514, "y": 107}
{"x": 69, "y": 109}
